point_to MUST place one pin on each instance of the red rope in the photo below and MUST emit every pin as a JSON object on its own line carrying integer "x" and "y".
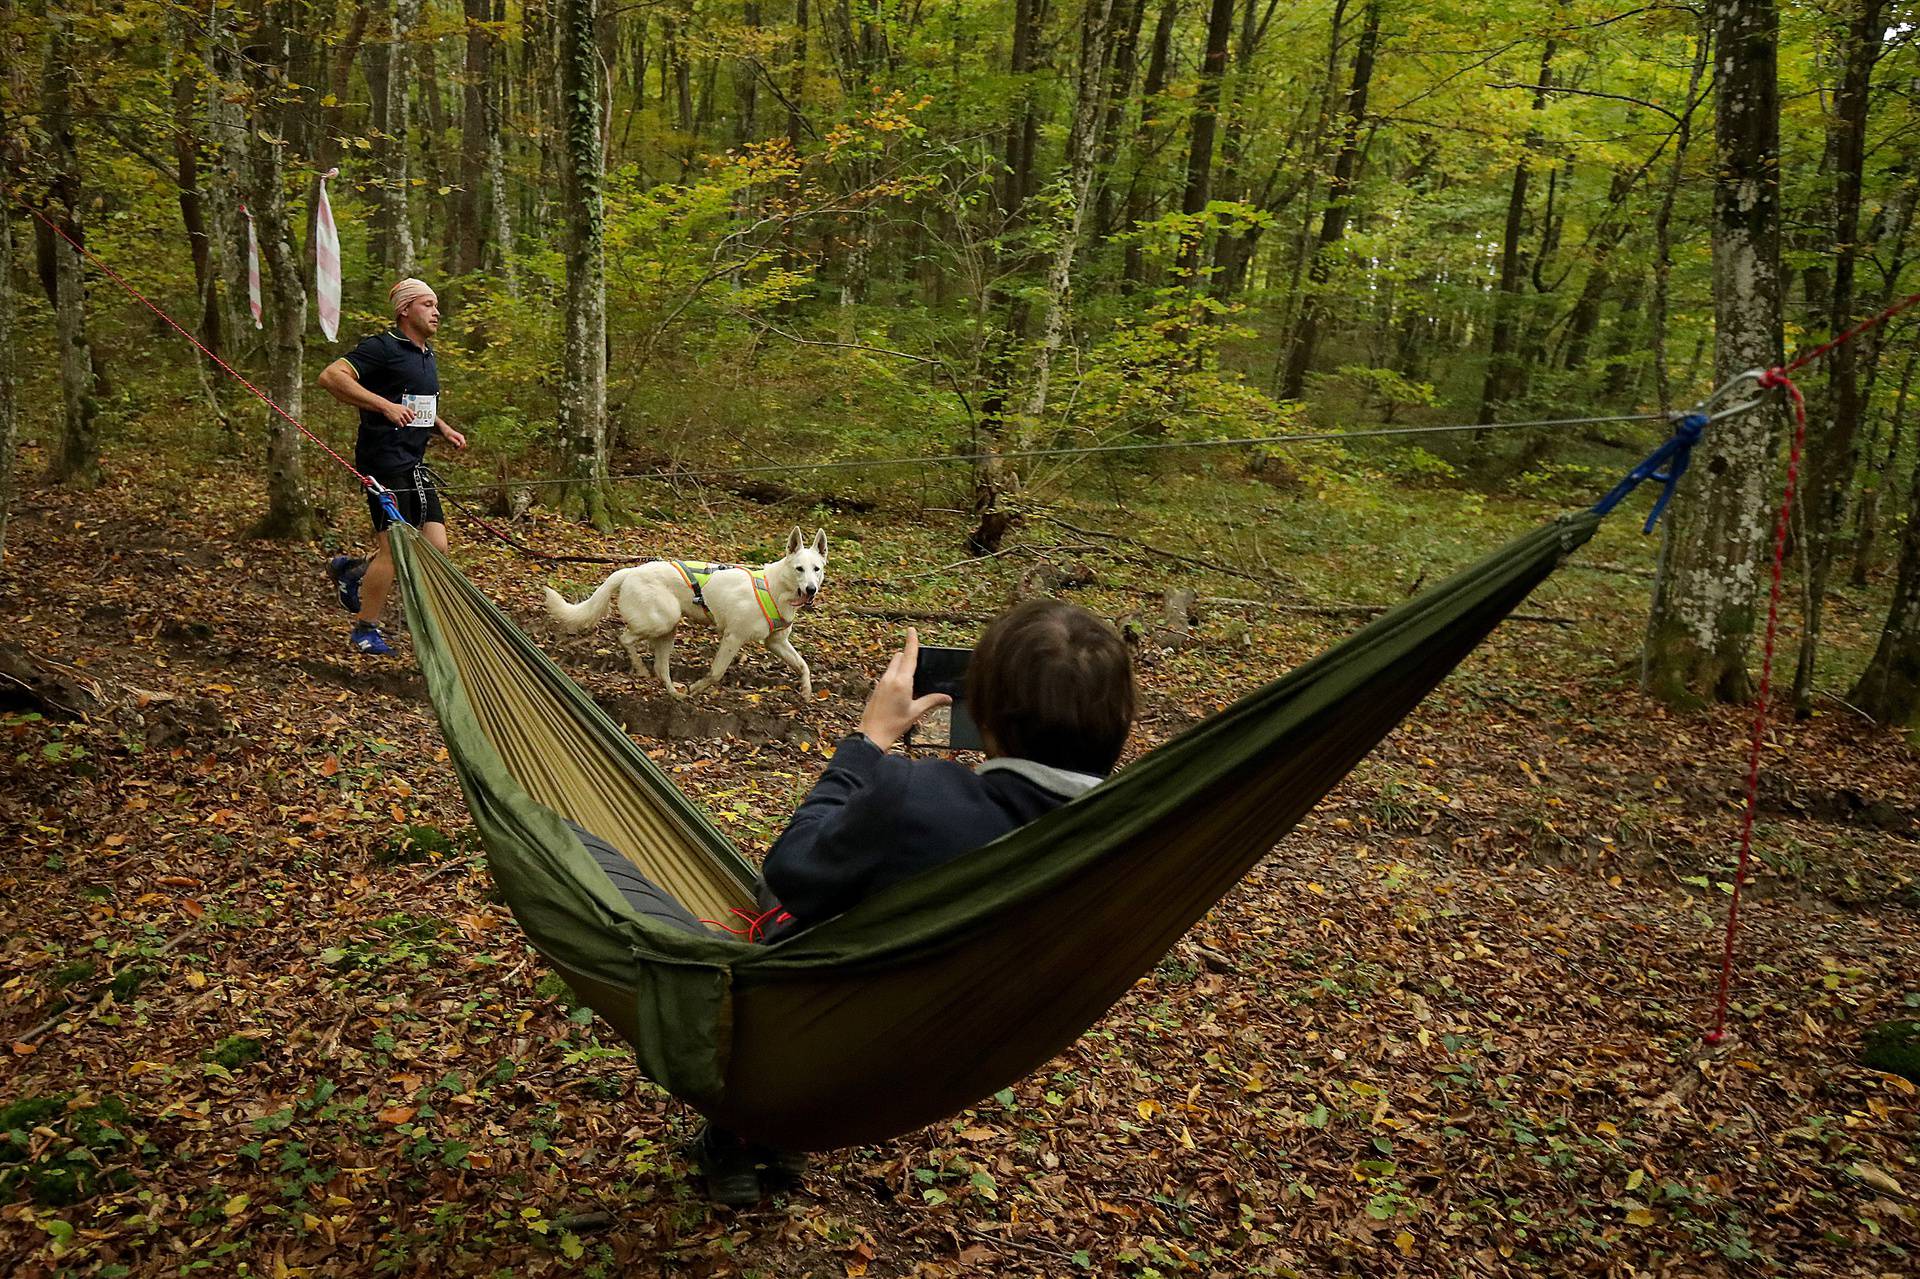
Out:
{"x": 1771, "y": 378}
{"x": 756, "y": 924}
{"x": 1801, "y": 361}
{"x": 262, "y": 396}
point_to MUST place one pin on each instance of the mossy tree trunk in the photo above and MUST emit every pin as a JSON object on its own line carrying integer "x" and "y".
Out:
{"x": 283, "y": 290}
{"x": 1710, "y": 565}
{"x": 77, "y": 461}
{"x": 9, "y": 420}
{"x": 583, "y": 395}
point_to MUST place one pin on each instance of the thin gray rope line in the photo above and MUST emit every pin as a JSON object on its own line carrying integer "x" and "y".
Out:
{"x": 1080, "y": 450}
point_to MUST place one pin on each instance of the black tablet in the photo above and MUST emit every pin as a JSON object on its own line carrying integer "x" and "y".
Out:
{"x": 944, "y": 670}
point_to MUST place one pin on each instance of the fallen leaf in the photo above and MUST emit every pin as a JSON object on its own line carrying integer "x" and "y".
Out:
{"x": 1877, "y": 1177}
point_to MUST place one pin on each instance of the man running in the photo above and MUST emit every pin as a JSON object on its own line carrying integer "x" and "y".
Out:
{"x": 391, "y": 378}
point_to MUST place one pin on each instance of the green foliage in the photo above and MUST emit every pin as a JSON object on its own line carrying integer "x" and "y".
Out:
{"x": 1385, "y": 391}
{"x": 414, "y": 842}
{"x": 236, "y": 1051}
{"x": 59, "y": 1150}
{"x": 1894, "y": 1046}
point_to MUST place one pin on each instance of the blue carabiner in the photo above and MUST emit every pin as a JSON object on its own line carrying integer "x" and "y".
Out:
{"x": 1666, "y": 464}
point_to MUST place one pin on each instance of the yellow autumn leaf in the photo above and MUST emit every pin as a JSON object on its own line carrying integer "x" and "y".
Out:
{"x": 1876, "y": 1177}
{"x": 237, "y": 1205}
{"x": 1640, "y": 1217}
{"x": 1635, "y": 1177}
{"x": 1404, "y": 1242}
{"x": 1148, "y": 1109}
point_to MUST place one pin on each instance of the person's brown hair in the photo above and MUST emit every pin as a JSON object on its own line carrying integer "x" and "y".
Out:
{"x": 1052, "y": 683}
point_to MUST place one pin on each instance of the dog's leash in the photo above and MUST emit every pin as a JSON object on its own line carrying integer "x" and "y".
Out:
{"x": 534, "y": 553}
{"x": 531, "y": 552}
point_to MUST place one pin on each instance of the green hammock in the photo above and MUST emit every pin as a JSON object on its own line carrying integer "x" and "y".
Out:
{"x": 940, "y": 990}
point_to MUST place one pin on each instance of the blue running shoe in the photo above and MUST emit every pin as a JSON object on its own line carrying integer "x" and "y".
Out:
{"x": 345, "y": 571}
{"x": 367, "y": 639}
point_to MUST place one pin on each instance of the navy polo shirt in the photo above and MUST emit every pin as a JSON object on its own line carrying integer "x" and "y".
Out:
{"x": 392, "y": 367}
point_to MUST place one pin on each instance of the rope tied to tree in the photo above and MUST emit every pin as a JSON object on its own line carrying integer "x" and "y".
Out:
{"x": 1769, "y": 379}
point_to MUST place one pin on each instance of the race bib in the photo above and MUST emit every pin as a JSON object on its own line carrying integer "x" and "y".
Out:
{"x": 426, "y": 409}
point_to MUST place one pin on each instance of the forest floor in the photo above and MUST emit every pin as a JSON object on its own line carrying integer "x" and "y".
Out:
{"x": 260, "y": 1015}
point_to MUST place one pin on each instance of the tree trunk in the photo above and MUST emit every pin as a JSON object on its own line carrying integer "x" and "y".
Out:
{"x": 1333, "y": 223}
{"x": 1206, "y": 119}
{"x": 583, "y": 395}
{"x": 1584, "y": 319}
{"x": 1023, "y": 128}
{"x": 1134, "y": 263}
{"x": 497, "y": 255}
{"x": 797, "y": 88}
{"x": 1891, "y": 225}
{"x": 394, "y": 224}
{"x": 1889, "y": 689}
{"x": 1125, "y": 60}
{"x": 1622, "y": 341}
{"x": 283, "y": 287}
{"x": 433, "y": 147}
{"x": 1506, "y": 376}
{"x": 186, "y": 153}
{"x": 1663, "y": 223}
{"x": 1293, "y": 309}
{"x": 9, "y": 419}
{"x": 225, "y": 177}
{"x": 471, "y": 202}
{"x": 1867, "y": 532}
{"x": 1833, "y": 454}
{"x": 1083, "y": 143}
{"x": 747, "y": 81}
{"x": 1230, "y": 252}
{"x": 1704, "y": 601}
{"x": 327, "y": 122}
{"x": 77, "y": 462}
{"x": 991, "y": 477}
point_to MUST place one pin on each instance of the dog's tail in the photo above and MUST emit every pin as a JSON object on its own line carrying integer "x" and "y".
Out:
{"x": 574, "y": 618}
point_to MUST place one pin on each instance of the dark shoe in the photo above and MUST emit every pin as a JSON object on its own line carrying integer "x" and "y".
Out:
{"x": 729, "y": 1167}
{"x": 367, "y": 639}
{"x": 783, "y": 1167}
{"x": 345, "y": 572}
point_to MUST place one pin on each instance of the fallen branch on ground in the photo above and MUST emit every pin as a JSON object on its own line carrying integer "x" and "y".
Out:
{"x": 1270, "y": 579}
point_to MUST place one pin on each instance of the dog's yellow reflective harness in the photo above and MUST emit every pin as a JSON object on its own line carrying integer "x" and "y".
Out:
{"x": 695, "y": 573}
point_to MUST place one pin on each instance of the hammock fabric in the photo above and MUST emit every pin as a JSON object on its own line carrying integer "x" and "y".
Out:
{"x": 947, "y": 987}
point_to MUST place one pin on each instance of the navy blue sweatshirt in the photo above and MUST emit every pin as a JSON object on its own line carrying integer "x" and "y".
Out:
{"x": 875, "y": 819}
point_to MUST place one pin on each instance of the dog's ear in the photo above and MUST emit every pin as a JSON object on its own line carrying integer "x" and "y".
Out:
{"x": 820, "y": 542}
{"x": 793, "y": 540}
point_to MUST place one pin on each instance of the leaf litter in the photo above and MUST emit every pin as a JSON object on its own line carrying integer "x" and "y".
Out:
{"x": 262, "y": 1014}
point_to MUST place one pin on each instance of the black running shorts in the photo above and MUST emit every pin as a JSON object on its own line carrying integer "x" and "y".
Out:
{"x": 413, "y": 492}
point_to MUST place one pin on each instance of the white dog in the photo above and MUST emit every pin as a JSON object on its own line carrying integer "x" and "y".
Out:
{"x": 744, "y": 606}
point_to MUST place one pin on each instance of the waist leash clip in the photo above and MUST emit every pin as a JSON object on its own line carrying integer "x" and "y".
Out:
{"x": 388, "y": 502}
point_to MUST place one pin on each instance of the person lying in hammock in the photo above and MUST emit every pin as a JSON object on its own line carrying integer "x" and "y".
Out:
{"x": 1051, "y": 687}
